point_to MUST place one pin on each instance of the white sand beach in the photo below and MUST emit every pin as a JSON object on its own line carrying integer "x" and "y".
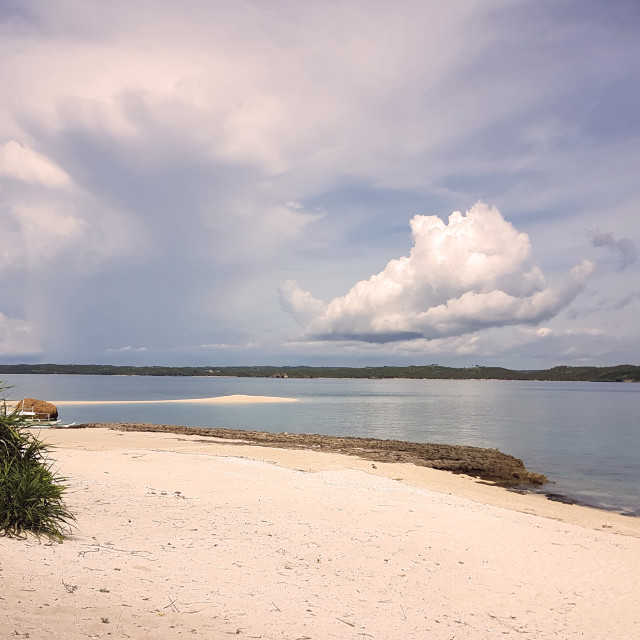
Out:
{"x": 181, "y": 537}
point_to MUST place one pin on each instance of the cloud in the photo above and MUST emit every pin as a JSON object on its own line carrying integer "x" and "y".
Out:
{"x": 546, "y": 332}
{"x": 16, "y": 337}
{"x": 471, "y": 274}
{"x": 625, "y": 247}
{"x": 22, "y": 163}
{"x": 191, "y": 147}
{"x": 627, "y": 300}
{"x": 299, "y": 304}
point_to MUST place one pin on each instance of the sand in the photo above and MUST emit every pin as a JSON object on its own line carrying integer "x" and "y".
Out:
{"x": 177, "y": 537}
{"x": 232, "y": 399}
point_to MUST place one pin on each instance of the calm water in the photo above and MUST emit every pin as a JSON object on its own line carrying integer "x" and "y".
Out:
{"x": 585, "y": 437}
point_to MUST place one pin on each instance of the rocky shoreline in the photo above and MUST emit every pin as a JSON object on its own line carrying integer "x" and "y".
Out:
{"x": 487, "y": 464}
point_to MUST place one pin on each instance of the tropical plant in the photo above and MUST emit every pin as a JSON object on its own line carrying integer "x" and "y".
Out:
{"x": 31, "y": 493}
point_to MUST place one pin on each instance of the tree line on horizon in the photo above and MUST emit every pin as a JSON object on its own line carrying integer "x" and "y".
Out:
{"x": 618, "y": 373}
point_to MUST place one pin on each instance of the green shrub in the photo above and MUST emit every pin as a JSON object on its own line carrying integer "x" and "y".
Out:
{"x": 30, "y": 492}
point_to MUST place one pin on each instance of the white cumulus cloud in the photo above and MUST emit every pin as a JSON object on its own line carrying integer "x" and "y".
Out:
{"x": 475, "y": 272}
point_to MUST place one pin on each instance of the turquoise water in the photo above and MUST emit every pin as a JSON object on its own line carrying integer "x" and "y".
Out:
{"x": 585, "y": 437}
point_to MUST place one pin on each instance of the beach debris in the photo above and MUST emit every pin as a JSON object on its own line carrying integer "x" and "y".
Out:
{"x": 346, "y": 622}
{"x": 172, "y": 604}
{"x": 71, "y": 588}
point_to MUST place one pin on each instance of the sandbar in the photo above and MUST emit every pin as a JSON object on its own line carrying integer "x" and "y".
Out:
{"x": 177, "y": 536}
{"x": 231, "y": 399}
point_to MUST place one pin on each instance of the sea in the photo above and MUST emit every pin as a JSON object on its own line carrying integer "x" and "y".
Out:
{"x": 584, "y": 436}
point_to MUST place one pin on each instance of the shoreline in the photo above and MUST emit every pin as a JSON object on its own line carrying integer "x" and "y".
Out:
{"x": 487, "y": 464}
{"x": 183, "y": 536}
{"x": 290, "y": 450}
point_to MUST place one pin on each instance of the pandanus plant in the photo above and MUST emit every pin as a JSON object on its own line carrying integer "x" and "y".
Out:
{"x": 31, "y": 492}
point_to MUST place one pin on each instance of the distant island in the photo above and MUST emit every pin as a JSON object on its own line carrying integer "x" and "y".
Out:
{"x": 618, "y": 373}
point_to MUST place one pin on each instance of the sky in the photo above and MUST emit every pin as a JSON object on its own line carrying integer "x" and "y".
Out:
{"x": 320, "y": 182}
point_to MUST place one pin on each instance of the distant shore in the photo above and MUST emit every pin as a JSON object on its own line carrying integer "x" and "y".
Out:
{"x": 617, "y": 373}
